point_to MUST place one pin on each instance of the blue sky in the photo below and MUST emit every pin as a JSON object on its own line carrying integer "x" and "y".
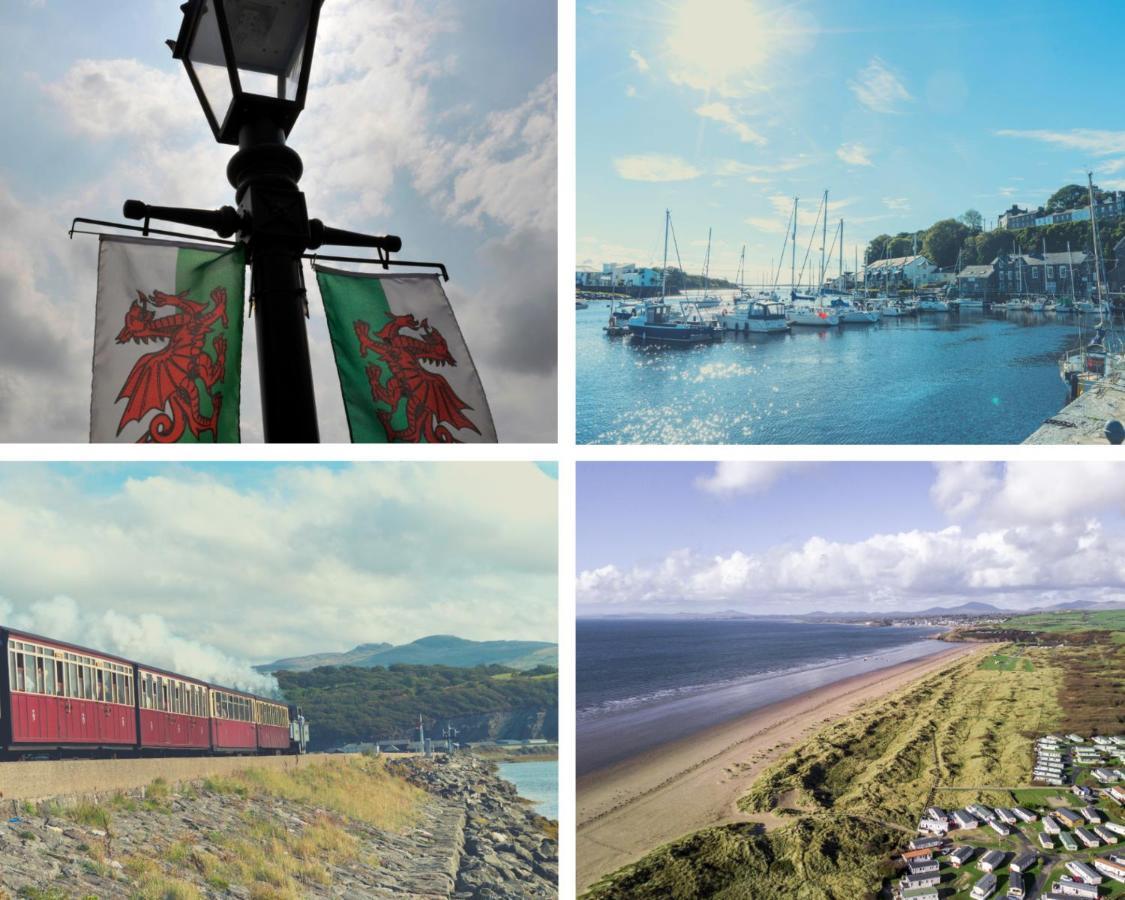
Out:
{"x": 724, "y": 110}
{"x": 247, "y": 562}
{"x": 410, "y": 128}
{"x": 797, "y": 537}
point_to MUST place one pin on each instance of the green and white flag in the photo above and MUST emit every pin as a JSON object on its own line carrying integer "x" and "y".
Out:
{"x": 167, "y": 342}
{"x": 405, "y": 372}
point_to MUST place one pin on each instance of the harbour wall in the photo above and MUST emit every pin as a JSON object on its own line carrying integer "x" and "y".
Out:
{"x": 1083, "y": 420}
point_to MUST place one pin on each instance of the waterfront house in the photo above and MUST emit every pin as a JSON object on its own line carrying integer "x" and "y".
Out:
{"x": 1038, "y": 273}
{"x": 961, "y": 855}
{"x": 977, "y": 281}
{"x": 1082, "y": 872}
{"x": 1087, "y": 837}
{"x": 1108, "y": 205}
{"x": 898, "y": 273}
{"x": 992, "y": 860}
{"x": 1023, "y": 861}
{"x": 1110, "y": 869}
{"x": 1069, "y": 888}
{"x": 1068, "y": 817}
{"x": 986, "y": 887}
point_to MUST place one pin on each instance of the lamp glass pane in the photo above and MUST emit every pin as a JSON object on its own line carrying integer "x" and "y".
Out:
{"x": 208, "y": 61}
{"x": 268, "y": 37}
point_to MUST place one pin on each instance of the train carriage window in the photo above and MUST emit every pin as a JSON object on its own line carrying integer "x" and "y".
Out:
{"x": 74, "y": 689}
{"x": 99, "y": 693}
{"x": 12, "y": 680}
{"x": 60, "y": 679}
{"x": 165, "y": 696}
{"x": 29, "y": 667}
{"x": 49, "y": 673}
{"x": 21, "y": 673}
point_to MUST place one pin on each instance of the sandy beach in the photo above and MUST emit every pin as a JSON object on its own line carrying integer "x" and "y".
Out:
{"x": 632, "y": 807}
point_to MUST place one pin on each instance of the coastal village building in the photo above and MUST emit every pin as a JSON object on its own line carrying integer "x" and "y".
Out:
{"x": 1025, "y": 814}
{"x": 965, "y": 819}
{"x": 616, "y": 274}
{"x": 901, "y": 272}
{"x": 1039, "y": 273}
{"x": 986, "y": 887}
{"x": 1110, "y": 869}
{"x": 992, "y": 860}
{"x": 1068, "y": 842}
{"x": 925, "y": 879}
{"x": 1083, "y": 872}
{"x": 1023, "y": 862}
{"x": 1050, "y": 826}
{"x": 1000, "y": 828}
{"x": 922, "y": 866}
{"x": 1068, "y": 817}
{"x": 1087, "y": 837}
{"x": 1111, "y": 205}
{"x": 1045, "y": 841}
{"x": 1105, "y": 835}
{"x": 960, "y": 856}
{"x": 921, "y": 893}
{"x": 1091, "y": 815}
{"x": 1069, "y": 888}
{"x": 977, "y": 281}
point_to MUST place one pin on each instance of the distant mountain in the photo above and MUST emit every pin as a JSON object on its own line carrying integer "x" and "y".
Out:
{"x": 436, "y": 650}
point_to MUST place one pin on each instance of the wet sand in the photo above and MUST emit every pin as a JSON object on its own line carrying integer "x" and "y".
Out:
{"x": 634, "y": 806}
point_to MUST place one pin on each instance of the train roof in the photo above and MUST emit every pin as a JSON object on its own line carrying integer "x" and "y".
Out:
{"x": 112, "y": 657}
{"x": 64, "y": 645}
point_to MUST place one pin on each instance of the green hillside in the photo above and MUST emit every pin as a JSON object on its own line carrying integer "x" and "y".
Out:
{"x": 347, "y": 704}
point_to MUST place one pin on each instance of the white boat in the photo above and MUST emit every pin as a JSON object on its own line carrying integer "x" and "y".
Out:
{"x": 970, "y": 303}
{"x": 811, "y": 314}
{"x": 707, "y": 301}
{"x": 892, "y": 310}
{"x": 756, "y": 317}
{"x": 932, "y": 304}
{"x": 1087, "y": 307}
{"x": 851, "y": 313}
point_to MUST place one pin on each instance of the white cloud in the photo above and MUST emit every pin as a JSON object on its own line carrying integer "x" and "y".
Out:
{"x": 855, "y": 154}
{"x": 898, "y": 204}
{"x": 961, "y": 487}
{"x": 630, "y": 91}
{"x": 638, "y": 60}
{"x": 328, "y": 557}
{"x": 878, "y": 88}
{"x": 1088, "y": 140}
{"x": 655, "y": 167}
{"x": 732, "y": 477}
{"x": 721, "y": 112}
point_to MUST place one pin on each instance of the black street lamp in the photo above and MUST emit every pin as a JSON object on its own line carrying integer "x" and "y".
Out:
{"x": 249, "y": 62}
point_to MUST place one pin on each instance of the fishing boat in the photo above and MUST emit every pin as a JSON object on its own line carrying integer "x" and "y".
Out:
{"x": 581, "y": 304}
{"x": 618, "y": 324}
{"x": 655, "y": 321}
{"x": 757, "y": 317}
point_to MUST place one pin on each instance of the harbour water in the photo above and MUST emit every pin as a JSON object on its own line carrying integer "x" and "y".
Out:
{"x": 970, "y": 377}
{"x": 536, "y": 781}
{"x": 643, "y": 682}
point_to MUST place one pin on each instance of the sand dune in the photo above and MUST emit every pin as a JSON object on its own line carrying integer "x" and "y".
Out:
{"x": 630, "y": 808}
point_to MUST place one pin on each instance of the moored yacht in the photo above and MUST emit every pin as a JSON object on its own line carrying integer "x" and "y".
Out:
{"x": 757, "y": 316}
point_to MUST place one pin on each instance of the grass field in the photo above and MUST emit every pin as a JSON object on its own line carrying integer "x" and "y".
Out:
{"x": 1079, "y": 620}
{"x": 1007, "y": 662}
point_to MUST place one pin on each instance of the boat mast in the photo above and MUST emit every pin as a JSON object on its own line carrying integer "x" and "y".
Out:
{"x": 1070, "y": 269}
{"x": 664, "y": 278}
{"x": 823, "y": 246}
{"x": 840, "y": 275}
{"x": 707, "y": 264}
{"x": 1094, "y": 223}
{"x": 1045, "y": 267}
{"x": 793, "y": 255}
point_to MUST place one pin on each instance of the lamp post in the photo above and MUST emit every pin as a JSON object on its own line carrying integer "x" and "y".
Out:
{"x": 249, "y": 63}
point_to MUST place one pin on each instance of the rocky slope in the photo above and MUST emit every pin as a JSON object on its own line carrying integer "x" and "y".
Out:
{"x": 471, "y": 837}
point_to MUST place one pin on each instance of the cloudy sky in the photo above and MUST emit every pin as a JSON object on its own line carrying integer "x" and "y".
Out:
{"x": 780, "y": 538}
{"x": 724, "y": 110}
{"x": 207, "y": 568}
{"x": 432, "y": 120}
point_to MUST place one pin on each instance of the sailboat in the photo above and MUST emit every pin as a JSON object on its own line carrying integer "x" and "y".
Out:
{"x": 1104, "y": 355}
{"x": 657, "y": 322}
{"x": 806, "y": 309}
{"x": 707, "y": 301}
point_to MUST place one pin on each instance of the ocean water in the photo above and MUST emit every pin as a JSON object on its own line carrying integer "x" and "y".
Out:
{"x": 971, "y": 378}
{"x": 537, "y": 781}
{"x": 642, "y": 682}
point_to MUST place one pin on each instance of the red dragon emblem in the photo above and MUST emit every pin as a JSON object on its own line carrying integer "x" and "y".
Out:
{"x": 167, "y": 380}
{"x": 431, "y": 403}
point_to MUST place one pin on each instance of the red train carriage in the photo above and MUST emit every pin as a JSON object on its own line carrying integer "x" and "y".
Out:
{"x": 232, "y": 721}
{"x": 60, "y": 696}
{"x": 272, "y": 722}
{"x": 173, "y": 710}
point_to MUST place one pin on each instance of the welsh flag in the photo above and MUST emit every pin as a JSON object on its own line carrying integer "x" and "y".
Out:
{"x": 167, "y": 342}
{"x": 405, "y": 372}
